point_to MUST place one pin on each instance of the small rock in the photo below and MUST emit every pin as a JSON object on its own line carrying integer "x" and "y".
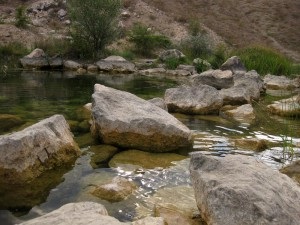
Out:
{"x": 243, "y": 113}
{"x": 251, "y": 144}
{"x": 171, "y": 53}
{"x": 71, "y": 65}
{"x": 280, "y": 82}
{"x": 285, "y": 107}
{"x": 61, "y": 13}
{"x": 234, "y": 64}
{"x": 118, "y": 190}
{"x": 292, "y": 170}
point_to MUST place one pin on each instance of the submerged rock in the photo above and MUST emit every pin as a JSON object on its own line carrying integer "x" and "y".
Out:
{"x": 125, "y": 120}
{"x": 24, "y": 155}
{"x": 200, "y": 99}
{"x": 101, "y": 154}
{"x": 176, "y": 205}
{"x": 292, "y": 170}
{"x": 118, "y": 190}
{"x": 135, "y": 159}
{"x": 285, "y": 107}
{"x": 116, "y": 64}
{"x": 242, "y": 114}
{"x": 239, "y": 189}
{"x": 8, "y": 122}
{"x": 251, "y": 144}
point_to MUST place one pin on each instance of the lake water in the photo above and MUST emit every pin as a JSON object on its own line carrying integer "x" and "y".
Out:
{"x": 33, "y": 96}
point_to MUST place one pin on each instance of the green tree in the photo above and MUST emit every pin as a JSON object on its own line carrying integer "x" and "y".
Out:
{"x": 94, "y": 24}
{"x": 21, "y": 17}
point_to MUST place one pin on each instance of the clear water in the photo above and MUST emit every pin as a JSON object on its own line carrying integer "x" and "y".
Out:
{"x": 33, "y": 96}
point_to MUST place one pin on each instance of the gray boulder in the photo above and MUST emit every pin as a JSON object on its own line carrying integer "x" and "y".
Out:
{"x": 71, "y": 65}
{"x": 280, "y": 82}
{"x": 116, "y": 64}
{"x": 37, "y": 59}
{"x": 239, "y": 189}
{"x": 171, "y": 53}
{"x": 234, "y": 64}
{"x": 200, "y": 99}
{"x": 216, "y": 78}
{"x": 125, "y": 120}
{"x": 247, "y": 87}
{"x": 24, "y": 155}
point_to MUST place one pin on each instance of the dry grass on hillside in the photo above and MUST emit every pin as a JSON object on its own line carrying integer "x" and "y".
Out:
{"x": 274, "y": 23}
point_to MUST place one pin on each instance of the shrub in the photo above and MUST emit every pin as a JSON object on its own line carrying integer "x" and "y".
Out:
{"x": 55, "y": 46}
{"x": 145, "y": 41}
{"x": 265, "y": 60}
{"x": 218, "y": 57}
{"x": 172, "y": 62}
{"x": 196, "y": 46}
{"x": 21, "y": 17}
{"x": 10, "y": 54}
{"x": 94, "y": 24}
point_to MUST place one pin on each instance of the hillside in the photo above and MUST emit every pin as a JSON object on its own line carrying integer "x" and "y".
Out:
{"x": 274, "y": 23}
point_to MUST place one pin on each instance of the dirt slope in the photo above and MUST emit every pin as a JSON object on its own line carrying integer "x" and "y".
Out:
{"x": 274, "y": 23}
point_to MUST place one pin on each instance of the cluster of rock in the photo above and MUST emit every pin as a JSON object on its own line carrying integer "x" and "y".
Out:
{"x": 37, "y": 59}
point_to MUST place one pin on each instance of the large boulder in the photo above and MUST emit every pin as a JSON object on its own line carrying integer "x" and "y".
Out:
{"x": 125, "y": 120}
{"x": 24, "y": 155}
{"x": 196, "y": 99}
{"x": 285, "y": 107}
{"x": 116, "y": 64}
{"x": 215, "y": 78}
{"x": 239, "y": 189}
{"x": 37, "y": 59}
{"x": 234, "y": 64}
{"x": 247, "y": 87}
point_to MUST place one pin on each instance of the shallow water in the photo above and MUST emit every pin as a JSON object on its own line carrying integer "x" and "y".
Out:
{"x": 33, "y": 96}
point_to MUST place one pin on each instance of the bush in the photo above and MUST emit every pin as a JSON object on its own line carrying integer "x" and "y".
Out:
{"x": 145, "y": 41}
{"x": 172, "y": 62}
{"x": 10, "y": 54}
{"x": 55, "y": 46}
{"x": 265, "y": 60}
{"x": 196, "y": 46}
{"x": 218, "y": 57}
{"x": 94, "y": 24}
{"x": 21, "y": 17}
